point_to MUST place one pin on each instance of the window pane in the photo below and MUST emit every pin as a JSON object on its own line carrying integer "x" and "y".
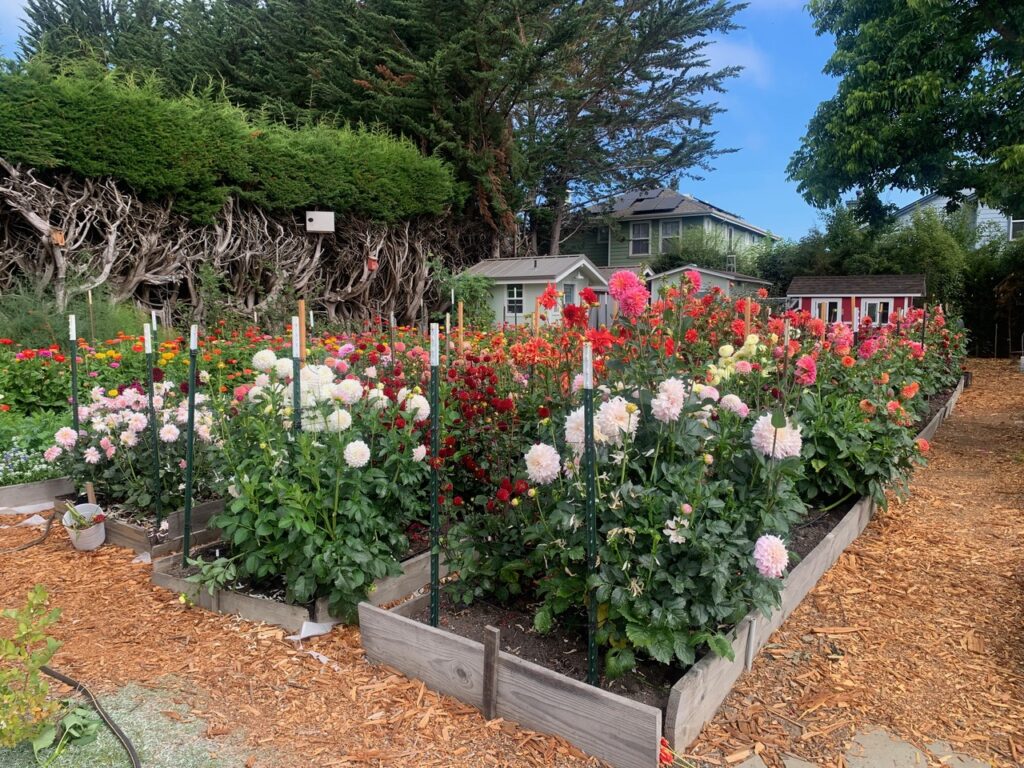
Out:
{"x": 883, "y": 312}
{"x": 670, "y": 228}
{"x": 1016, "y": 229}
{"x": 641, "y": 247}
{"x": 641, "y": 230}
{"x": 569, "y": 291}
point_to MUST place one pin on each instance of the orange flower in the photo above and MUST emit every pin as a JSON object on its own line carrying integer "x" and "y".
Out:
{"x": 922, "y": 445}
{"x": 848, "y": 362}
{"x": 910, "y": 390}
{"x": 867, "y": 407}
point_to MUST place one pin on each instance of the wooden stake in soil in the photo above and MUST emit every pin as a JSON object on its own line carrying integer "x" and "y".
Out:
{"x": 296, "y": 372}
{"x": 492, "y": 645}
{"x": 73, "y": 335}
{"x": 154, "y": 431}
{"x": 589, "y": 470}
{"x": 302, "y": 330}
{"x": 190, "y": 441}
{"x": 435, "y": 522}
{"x": 461, "y": 335}
{"x": 92, "y": 318}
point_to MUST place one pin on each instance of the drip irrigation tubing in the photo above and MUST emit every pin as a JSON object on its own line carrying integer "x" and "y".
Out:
{"x": 39, "y": 540}
{"x": 125, "y": 741}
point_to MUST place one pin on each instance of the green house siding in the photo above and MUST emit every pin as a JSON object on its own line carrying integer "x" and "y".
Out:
{"x": 587, "y": 242}
{"x": 620, "y": 253}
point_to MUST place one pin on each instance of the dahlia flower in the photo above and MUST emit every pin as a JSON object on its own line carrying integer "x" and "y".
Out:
{"x": 806, "y": 372}
{"x": 91, "y": 455}
{"x": 264, "y": 360}
{"x": 349, "y": 391}
{"x": 66, "y": 437}
{"x": 169, "y": 433}
{"x": 674, "y": 529}
{"x": 339, "y": 420}
{"x": 419, "y": 453}
{"x": 669, "y": 402}
{"x": 419, "y": 406}
{"x": 542, "y": 464}
{"x": 623, "y": 282}
{"x": 775, "y": 443}
{"x": 770, "y": 556}
{"x": 357, "y": 454}
{"x": 52, "y": 453}
{"x": 733, "y": 404}
{"x": 283, "y": 368}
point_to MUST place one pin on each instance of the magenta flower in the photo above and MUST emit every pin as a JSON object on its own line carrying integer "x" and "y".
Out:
{"x": 806, "y": 371}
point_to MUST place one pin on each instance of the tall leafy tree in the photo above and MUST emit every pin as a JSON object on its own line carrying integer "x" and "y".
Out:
{"x": 931, "y": 97}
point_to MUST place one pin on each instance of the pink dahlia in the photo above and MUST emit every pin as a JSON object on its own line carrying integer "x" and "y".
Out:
{"x": 634, "y": 302}
{"x": 806, "y": 371}
{"x": 774, "y": 443}
{"x": 622, "y": 283}
{"x": 771, "y": 556}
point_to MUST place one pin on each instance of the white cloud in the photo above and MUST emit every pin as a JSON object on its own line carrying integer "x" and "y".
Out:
{"x": 732, "y": 53}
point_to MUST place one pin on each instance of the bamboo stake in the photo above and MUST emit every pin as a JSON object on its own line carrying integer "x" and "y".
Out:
{"x": 461, "y": 335}
{"x": 302, "y": 331}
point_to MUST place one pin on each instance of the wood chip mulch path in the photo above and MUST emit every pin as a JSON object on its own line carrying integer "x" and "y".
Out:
{"x": 919, "y": 628}
{"x": 244, "y": 679}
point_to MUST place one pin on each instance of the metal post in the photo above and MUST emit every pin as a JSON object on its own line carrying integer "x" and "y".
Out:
{"x": 591, "y": 508}
{"x": 435, "y": 443}
{"x": 296, "y": 373}
{"x": 190, "y": 439}
{"x": 154, "y": 430}
{"x": 394, "y": 356}
{"x": 73, "y": 336}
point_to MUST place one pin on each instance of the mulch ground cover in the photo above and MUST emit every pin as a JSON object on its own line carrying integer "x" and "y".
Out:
{"x": 919, "y": 627}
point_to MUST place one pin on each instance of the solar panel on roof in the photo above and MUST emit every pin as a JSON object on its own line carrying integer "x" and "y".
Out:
{"x": 661, "y": 203}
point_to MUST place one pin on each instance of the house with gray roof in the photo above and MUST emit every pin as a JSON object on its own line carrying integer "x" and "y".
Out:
{"x": 989, "y": 223}
{"x": 635, "y": 228}
{"x": 517, "y": 283}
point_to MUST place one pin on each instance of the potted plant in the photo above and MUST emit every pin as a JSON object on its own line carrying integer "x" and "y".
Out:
{"x": 84, "y": 524}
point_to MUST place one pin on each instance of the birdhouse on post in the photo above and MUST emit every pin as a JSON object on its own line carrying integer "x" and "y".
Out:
{"x": 320, "y": 222}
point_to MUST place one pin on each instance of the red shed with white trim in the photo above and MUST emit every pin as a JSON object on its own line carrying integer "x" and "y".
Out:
{"x": 848, "y": 298}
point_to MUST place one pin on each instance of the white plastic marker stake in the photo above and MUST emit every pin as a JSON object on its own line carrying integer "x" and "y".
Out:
{"x": 147, "y": 335}
{"x": 311, "y": 319}
{"x": 295, "y": 335}
{"x": 588, "y": 366}
{"x": 435, "y": 345}
{"x": 72, "y": 328}
{"x": 453, "y": 297}
{"x": 152, "y": 319}
{"x": 193, "y": 338}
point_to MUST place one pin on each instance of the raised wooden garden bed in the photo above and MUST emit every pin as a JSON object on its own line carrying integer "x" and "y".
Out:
{"x": 140, "y": 538}
{"x": 415, "y": 574}
{"x": 53, "y": 491}
{"x": 616, "y": 729}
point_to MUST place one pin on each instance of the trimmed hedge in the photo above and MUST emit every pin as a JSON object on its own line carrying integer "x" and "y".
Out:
{"x": 199, "y": 150}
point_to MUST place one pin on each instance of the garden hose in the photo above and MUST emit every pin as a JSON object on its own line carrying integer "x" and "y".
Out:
{"x": 125, "y": 741}
{"x": 39, "y": 540}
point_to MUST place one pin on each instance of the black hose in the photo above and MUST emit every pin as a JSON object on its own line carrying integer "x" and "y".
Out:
{"x": 40, "y": 540}
{"x": 125, "y": 742}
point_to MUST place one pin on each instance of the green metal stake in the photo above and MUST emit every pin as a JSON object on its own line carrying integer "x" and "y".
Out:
{"x": 296, "y": 383}
{"x": 73, "y": 335}
{"x": 153, "y": 429}
{"x": 435, "y": 524}
{"x": 190, "y": 440}
{"x": 591, "y": 508}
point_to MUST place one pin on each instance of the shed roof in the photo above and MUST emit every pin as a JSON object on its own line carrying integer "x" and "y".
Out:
{"x": 537, "y": 269}
{"x": 736, "y": 276}
{"x": 857, "y": 285}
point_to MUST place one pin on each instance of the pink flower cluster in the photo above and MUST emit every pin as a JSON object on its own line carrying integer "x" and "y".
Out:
{"x": 630, "y": 292}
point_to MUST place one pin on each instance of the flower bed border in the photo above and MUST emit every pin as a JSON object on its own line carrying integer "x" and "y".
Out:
{"x": 415, "y": 573}
{"x": 616, "y": 729}
{"x": 54, "y": 491}
{"x": 136, "y": 537}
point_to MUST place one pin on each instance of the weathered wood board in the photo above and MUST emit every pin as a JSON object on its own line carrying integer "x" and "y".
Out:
{"x": 25, "y": 494}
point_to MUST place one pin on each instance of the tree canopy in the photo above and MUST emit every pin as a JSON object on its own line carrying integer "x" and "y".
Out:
{"x": 533, "y": 102}
{"x": 931, "y": 97}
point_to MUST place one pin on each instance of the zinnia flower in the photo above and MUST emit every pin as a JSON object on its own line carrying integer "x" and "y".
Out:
{"x": 771, "y": 556}
{"x": 357, "y": 454}
{"x": 169, "y": 433}
{"x": 264, "y": 360}
{"x": 775, "y": 443}
{"x": 542, "y": 464}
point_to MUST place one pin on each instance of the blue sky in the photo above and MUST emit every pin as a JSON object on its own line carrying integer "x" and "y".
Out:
{"x": 768, "y": 107}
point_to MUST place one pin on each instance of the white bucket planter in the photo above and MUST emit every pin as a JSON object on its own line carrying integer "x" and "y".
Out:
{"x": 89, "y": 538}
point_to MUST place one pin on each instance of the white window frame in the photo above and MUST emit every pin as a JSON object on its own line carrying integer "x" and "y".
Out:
{"x": 513, "y": 293}
{"x": 829, "y": 301}
{"x": 1017, "y": 224}
{"x": 666, "y": 237}
{"x": 633, "y": 239}
{"x": 866, "y": 303}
